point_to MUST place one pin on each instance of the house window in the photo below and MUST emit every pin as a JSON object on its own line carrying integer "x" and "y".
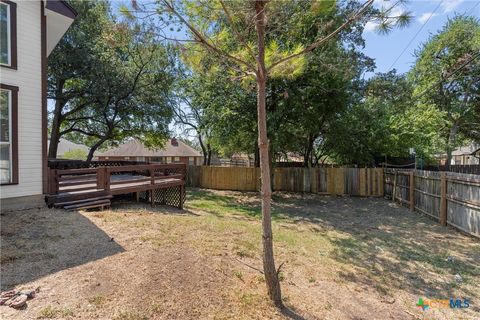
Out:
{"x": 191, "y": 161}
{"x": 176, "y": 159}
{"x": 8, "y": 134}
{"x": 169, "y": 159}
{"x": 8, "y": 34}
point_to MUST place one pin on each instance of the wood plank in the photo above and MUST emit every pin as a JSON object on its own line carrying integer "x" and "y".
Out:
{"x": 129, "y": 181}
{"x": 412, "y": 191}
{"x": 76, "y": 177}
{"x": 443, "y": 201}
{"x": 76, "y": 183}
{"x": 89, "y": 205}
{"x": 63, "y": 203}
{"x": 76, "y": 171}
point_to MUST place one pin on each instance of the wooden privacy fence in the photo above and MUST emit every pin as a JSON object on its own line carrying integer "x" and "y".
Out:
{"x": 335, "y": 181}
{"x": 451, "y": 198}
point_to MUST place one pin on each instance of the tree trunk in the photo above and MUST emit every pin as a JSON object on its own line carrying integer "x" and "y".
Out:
{"x": 54, "y": 136}
{"x": 271, "y": 276}
{"x": 308, "y": 151}
{"x": 204, "y": 150}
{"x": 257, "y": 156}
{"x": 452, "y": 135}
{"x": 56, "y": 121}
{"x": 94, "y": 148}
{"x": 209, "y": 154}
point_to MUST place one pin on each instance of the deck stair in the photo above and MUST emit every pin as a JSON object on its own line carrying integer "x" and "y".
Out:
{"x": 84, "y": 200}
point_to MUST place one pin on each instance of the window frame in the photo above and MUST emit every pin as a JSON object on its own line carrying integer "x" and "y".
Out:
{"x": 12, "y": 41}
{"x": 13, "y": 122}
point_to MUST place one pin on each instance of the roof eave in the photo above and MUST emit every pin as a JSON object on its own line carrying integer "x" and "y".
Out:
{"x": 61, "y": 7}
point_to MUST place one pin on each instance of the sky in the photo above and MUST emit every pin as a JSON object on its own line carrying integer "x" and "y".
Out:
{"x": 429, "y": 16}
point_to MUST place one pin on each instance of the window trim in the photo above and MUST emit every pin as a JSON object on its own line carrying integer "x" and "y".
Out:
{"x": 14, "y": 132}
{"x": 13, "y": 35}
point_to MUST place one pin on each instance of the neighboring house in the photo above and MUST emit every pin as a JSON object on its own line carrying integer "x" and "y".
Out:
{"x": 464, "y": 155}
{"x": 29, "y": 30}
{"x": 235, "y": 160}
{"x": 65, "y": 146}
{"x": 174, "y": 151}
{"x": 476, "y": 154}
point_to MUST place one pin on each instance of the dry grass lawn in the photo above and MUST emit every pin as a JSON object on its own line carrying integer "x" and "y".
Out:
{"x": 343, "y": 258}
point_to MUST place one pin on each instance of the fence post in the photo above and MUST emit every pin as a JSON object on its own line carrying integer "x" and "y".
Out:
{"x": 443, "y": 201}
{"x": 394, "y": 185}
{"x": 412, "y": 191}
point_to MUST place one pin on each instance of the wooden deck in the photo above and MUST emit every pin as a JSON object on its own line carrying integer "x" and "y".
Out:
{"x": 158, "y": 183}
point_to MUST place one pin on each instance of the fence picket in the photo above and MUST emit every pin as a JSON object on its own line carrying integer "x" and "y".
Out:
{"x": 449, "y": 197}
{"x": 337, "y": 181}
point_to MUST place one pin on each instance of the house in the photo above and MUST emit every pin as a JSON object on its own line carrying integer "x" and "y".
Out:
{"x": 65, "y": 146}
{"x": 174, "y": 151}
{"x": 29, "y": 30}
{"x": 236, "y": 159}
{"x": 469, "y": 154}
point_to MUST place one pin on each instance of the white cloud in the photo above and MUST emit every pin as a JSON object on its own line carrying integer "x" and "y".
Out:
{"x": 370, "y": 26}
{"x": 397, "y": 11}
{"x": 425, "y": 16}
{"x": 450, "y": 5}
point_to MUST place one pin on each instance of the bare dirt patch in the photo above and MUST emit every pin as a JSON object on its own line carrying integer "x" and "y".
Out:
{"x": 344, "y": 258}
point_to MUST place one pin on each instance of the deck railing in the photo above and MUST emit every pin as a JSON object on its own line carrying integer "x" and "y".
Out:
{"x": 116, "y": 179}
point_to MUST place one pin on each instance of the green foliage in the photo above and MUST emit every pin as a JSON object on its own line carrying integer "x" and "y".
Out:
{"x": 302, "y": 94}
{"x": 445, "y": 78}
{"x": 110, "y": 79}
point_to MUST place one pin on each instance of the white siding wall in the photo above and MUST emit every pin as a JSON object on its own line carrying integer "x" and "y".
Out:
{"x": 28, "y": 79}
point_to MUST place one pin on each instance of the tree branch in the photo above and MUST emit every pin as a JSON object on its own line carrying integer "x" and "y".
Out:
{"x": 319, "y": 42}
{"x": 238, "y": 34}
{"x": 202, "y": 39}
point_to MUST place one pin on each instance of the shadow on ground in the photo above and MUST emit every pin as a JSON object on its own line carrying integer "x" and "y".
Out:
{"x": 388, "y": 246}
{"x": 39, "y": 242}
{"x": 391, "y": 245}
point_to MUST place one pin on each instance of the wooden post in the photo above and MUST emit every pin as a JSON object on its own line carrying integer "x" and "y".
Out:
{"x": 152, "y": 197}
{"x": 152, "y": 177}
{"x": 394, "y": 185}
{"x": 443, "y": 201}
{"x": 56, "y": 179}
{"x": 107, "y": 179}
{"x": 181, "y": 196}
{"x": 52, "y": 181}
{"x": 412, "y": 191}
{"x": 313, "y": 179}
{"x": 100, "y": 178}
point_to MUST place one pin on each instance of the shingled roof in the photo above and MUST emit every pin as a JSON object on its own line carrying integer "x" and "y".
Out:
{"x": 66, "y": 146}
{"x": 134, "y": 148}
